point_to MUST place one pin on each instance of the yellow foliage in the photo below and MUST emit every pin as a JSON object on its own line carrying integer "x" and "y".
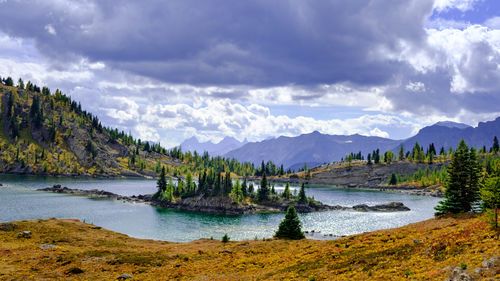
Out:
{"x": 419, "y": 251}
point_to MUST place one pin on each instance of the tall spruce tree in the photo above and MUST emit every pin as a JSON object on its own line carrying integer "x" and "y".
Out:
{"x": 462, "y": 184}
{"x": 290, "y": 227}
{"x": 302, "y": 198}
{"x": 161, "y": 184}
{"x": 496, "y": 146}
{"x": 264, "y": 189}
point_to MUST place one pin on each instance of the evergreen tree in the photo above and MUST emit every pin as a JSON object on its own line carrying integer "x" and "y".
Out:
{"x": 264, "y": 189}
{"x": 244, "y": 188}
{"x": 302, "y": 195}
{"x": 369, "y": 159}
{"x": 9, "y": 82}
{"x": 495, "y": 147}
{"x": 161, "y": 184}
{"x": 393, "y": 180}
{"x": 490, "y": 195}
{"x": 286, "y": 193}
{"x": 401, "y": 154}
{"x": 376, "y": 157}
{"x": 20, "y": 83}
{"x": 462, "y": 184}
{"x": 228, "y": 184}
{"x": 36, "y": 112}
{"x": 250, "y": 189}
{"x": 290, "y": 227}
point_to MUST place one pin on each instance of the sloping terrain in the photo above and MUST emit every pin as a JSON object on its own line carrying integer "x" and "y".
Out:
{"x": 428, "y": 250}
{"x": 44, "y": 133}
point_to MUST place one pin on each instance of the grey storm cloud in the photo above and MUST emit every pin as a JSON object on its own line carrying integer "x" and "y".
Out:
{"x": 223, "y": 42}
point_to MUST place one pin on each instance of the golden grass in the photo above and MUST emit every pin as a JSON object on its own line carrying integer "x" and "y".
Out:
{"x": 381, "y": 255}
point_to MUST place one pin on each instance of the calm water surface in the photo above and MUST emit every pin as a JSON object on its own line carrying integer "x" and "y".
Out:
{"x": 19, "y": 201}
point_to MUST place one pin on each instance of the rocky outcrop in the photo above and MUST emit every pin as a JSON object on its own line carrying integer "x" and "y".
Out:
{"x": 367, "y": 176}
{"x": 224, "y": 204}
{"x": 387, "y": 207}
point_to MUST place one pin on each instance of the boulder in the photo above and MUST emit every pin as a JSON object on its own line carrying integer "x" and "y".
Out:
{"x": 495, "y": 261}
{"x": 458, "y": 274}
{"x": 24, "y": 234}
{"x": 47, "y": 246}
{"x": 8, "y": 226}
{"x": 124, "y": 276}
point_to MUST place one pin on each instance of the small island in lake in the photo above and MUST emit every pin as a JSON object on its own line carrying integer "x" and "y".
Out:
{"x": 222, "y": 196}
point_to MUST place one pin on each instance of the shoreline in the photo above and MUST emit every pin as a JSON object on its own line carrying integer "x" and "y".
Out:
{"x": 224, "y": 205}
{"x": 432, "y": 191}
{"x": 70, "y": 249}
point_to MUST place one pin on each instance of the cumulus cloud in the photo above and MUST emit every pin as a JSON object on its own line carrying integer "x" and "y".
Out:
{"x": 166, "y": 70}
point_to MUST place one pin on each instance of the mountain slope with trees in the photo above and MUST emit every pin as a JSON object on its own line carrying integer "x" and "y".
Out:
{"x": 48, "y": 133}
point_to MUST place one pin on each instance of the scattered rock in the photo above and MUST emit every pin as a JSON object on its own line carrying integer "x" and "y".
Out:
{"x": 491, "y": 262}
{"x": 8, "y": 226}
{"x": 74, "y": 270}
{"x": 458, "y": 274}
{"x": 47, "y": 246}
{"x": 416, "y": 241}
{"x": 225, "y": 252}
{"x": 24, "y": 234}
{"x": 125, "y": 276}
{"x": 478, "y": 270}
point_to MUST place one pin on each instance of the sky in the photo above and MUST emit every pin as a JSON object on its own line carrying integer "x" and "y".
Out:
{"x": 169, "y": 70}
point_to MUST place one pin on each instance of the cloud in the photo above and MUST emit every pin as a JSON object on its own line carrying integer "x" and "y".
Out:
{"x": 462, "y": 5}
{"x": 166, "y": 70}
{"x": 256, "y": 43}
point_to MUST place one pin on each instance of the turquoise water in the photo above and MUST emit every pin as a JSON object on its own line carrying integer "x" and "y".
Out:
{"x": 20, "y": 201}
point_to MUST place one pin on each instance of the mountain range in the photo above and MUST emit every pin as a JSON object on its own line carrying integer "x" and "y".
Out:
{"x": 316, "y": 148}
{"x": 214, "y": 149}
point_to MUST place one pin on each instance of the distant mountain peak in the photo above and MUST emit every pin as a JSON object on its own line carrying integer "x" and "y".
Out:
{"x": 227, "y": 144}
{"x": 451, "y": 124}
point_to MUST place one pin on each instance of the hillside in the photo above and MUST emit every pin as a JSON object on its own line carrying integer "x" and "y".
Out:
{"x": 446, "y": 134}
{"x": 428, "y": 250}
{"x": 49, "y": 134}
{"x": 312, "y": 149}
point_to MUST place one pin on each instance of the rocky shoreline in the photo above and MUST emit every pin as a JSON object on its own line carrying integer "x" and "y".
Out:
{"x": 224, "y": 205}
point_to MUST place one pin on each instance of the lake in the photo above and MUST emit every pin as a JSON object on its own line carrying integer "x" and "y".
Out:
{"x": 19, "y": 200}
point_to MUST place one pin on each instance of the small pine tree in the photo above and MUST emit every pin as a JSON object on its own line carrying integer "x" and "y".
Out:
{"x": 490, "y": 195}
{"x": 225, "y": 238}
{"x": 290, "y": 227}
{"x": 302, "y": 195}
{"x": 393, "y": 180}
{"x": 9, "y": 82}
{"x": 286, "y": 193}
{"x": 162, "y": 181}
{"x": 264, "y": 189}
